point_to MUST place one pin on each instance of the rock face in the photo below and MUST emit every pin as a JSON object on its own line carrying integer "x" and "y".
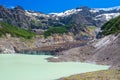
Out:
{"x": 103, "y": 51}
{"x": 10, "y": 44}
{"x": 77, "y": 20}
{"x": 82, "y": 23}
{"x": 108, "y": 52}
{"x": 7, "y": 49}
{"x": 14, "y": 16}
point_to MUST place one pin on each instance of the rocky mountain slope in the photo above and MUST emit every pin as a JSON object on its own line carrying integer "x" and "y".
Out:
{"x": 9, "y": 44}
{"x": 82, "y": 23}
{"x": 14, "y": 16}
{"x": 76, "y": 20}
{"x": 76, "y": 43}
{"x": 105, "y": 50}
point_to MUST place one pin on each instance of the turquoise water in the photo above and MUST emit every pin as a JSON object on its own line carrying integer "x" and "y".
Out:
{"x": 35, "y": 67}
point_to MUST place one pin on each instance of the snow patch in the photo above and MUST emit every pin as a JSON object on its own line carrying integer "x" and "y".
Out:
{"x": 66, "y": 13}
{"x": 31, "y": 14}
{"x": 94, "y": 10}
{"x": 108, "y": 9}
{"x": 107, "y": 16}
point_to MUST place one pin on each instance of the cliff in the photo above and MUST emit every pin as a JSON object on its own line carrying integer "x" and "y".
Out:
{"x": 10, "y": 44}
{"x": 76, "y": 21}
{"x": 103, "y": 51}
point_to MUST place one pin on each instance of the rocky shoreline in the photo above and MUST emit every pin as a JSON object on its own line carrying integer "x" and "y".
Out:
{"x": 102, "y": 51}
{"x": 55, "y": 49}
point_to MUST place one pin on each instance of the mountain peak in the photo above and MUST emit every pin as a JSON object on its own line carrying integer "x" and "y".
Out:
{"x": 108, "y": 9}
{"x": 83, "y": 7}
{"x": 66, "y": 13}
{"x": 19, "y": 7}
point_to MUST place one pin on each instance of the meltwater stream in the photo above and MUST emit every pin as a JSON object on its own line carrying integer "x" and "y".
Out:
{"x": 35, "y": 67}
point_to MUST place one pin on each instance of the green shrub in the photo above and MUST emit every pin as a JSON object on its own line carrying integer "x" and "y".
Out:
{"x": 15, "y": 31}
{"x": 112, "y": 26}
{"x": 54, "y": 30}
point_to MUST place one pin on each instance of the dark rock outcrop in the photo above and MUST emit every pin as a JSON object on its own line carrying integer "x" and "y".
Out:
{"x": 14, "y": 16}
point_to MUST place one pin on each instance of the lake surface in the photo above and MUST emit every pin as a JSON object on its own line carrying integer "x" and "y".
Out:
{"x": 35, "y": 67}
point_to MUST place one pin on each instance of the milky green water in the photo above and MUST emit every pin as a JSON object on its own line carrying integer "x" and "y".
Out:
{"x": 35, "y": 67}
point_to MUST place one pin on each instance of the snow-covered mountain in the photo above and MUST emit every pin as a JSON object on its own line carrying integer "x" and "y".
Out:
{"x": 81, "y": 16}
{"x": 99, "y": 13}
{"x": 67, "y": 13}
{"x": 106, "y": 16}
{"x": 32, "y": 13}
{"x": 108, "y": 9}
{"x": 102, "y": 13}
{"x": 76, "y": 20}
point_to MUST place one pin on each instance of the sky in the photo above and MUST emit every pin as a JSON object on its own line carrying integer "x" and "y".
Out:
{"x": 49, "y": 6}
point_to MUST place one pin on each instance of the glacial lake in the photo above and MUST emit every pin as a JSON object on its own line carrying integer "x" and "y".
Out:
{"x": 36, "y": 67}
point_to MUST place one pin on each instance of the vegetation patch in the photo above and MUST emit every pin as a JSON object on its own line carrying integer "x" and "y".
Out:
{"x": 91, "y": 27}
{"x": 54, "y": 30}
{"x": 15, "y": 31}
{"x": 112, "y": 26}
{"x": 97, "y": 75}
